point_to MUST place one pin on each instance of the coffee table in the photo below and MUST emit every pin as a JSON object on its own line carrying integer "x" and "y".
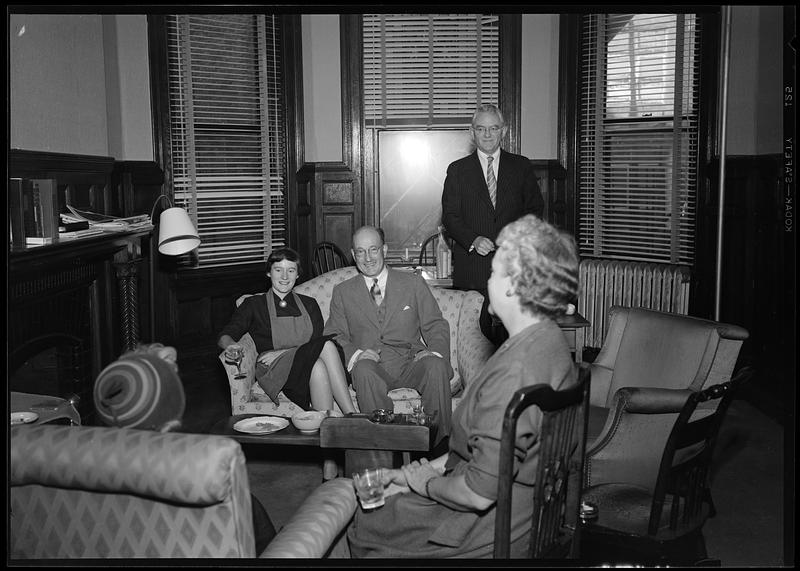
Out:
{"x": 356, "y": 433}
{"x": 289, "y": 435}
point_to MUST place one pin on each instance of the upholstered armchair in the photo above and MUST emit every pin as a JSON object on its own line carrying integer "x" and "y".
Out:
{"x": 469, "y": 349}
{"x": 645, "y": 356}
{"x": 99, "y": 492}
{"x": 319, "y": 527}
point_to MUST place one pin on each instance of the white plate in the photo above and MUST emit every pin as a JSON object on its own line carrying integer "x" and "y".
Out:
{"x": 261, "y": 425}
{"x": 23, "y": 417}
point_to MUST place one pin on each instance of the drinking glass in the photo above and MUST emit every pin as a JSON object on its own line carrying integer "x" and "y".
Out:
{"x": 234, "y": 355}
{"x": 369, "y": 487}
{"x": 418, "y": 413}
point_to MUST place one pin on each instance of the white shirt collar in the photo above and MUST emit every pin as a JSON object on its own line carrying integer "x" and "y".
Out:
{"x": 483, "y": 158}
{"x": 381, "y": 279}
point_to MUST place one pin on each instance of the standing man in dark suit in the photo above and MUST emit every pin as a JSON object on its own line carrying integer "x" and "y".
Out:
{"x": 392, "y": 332}
{"x": 483, "y": 192}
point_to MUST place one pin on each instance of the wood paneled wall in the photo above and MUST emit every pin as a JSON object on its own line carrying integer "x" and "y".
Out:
{"x": 758, "y": 265}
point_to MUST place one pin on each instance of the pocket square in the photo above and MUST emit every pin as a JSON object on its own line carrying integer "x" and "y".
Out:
{"x": 407, "y": 307}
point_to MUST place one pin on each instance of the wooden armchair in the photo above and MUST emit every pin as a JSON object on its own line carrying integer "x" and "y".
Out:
{"x": 427, "y": 252}
{"x": 328, "y": 256}
{"x": 662, "y": 525}
{"x": 557, "y": 492}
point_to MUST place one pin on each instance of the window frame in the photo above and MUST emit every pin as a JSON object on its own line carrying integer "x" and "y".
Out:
{"x": 707, "y": 191}
{"x": 406, "y": 54}
{"x": 293, "y": 126}
{"x": 358, "y": 150}
{"x": 636, "y": 194}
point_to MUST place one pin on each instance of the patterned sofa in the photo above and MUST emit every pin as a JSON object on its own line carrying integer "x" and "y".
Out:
{"x": 469, "y": 349}
{"x": 99, "y": 492}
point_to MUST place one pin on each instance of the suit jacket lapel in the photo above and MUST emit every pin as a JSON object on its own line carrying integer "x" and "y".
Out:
{"x": 504, "y": 177}
{"x": 393, "y": 296}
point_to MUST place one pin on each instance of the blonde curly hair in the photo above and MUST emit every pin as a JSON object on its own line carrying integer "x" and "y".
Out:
{"x": 542, "y": 262}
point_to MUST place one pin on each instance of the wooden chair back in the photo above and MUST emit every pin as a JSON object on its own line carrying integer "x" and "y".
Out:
{"x": 427, "y": 253}
{"x": 328, "y": 256}
{"x": 557, "y": 492}
{"x": 683, "y": 475}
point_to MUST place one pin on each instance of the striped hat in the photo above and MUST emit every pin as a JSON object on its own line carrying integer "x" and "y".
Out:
{"x": 139, "y": 390}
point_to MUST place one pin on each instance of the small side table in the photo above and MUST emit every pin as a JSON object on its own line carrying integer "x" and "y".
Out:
{"x": 361, "y": 437}
{"x": 574, "y": 328}
{"x": 49, "y": 409}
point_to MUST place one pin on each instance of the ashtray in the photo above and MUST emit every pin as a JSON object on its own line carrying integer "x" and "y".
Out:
{"x": 381, "y": 415}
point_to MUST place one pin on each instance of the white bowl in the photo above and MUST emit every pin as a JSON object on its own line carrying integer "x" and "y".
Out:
{"x": 308, "y": 420}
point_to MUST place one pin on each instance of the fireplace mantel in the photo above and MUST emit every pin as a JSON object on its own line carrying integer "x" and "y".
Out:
{"x": 119, "y": 244}
{"x": 84, "y": 298}
{"x": 84, "y": 293}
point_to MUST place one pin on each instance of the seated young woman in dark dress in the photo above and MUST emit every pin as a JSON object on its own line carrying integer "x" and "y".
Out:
{"x": 293, "y": 355}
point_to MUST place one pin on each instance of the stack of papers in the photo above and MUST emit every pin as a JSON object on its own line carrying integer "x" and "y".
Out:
{"x": 101, "y": 222}
{"x": 80, "y": 233}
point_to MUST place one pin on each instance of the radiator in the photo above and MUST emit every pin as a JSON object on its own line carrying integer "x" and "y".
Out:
{"x": 605, "y": 283}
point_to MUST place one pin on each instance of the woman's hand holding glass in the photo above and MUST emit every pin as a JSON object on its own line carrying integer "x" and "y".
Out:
{"x": 234, "y": 355}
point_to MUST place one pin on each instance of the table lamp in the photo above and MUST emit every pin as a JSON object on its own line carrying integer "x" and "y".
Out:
{"x": 176, "y": 234}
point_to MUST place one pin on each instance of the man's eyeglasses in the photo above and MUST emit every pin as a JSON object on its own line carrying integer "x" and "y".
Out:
{"x": 361, "y": 253}
{"x": 494, "y": 129}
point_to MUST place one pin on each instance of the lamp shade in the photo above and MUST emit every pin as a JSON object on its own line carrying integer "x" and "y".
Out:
{"x": 177, "y": 234}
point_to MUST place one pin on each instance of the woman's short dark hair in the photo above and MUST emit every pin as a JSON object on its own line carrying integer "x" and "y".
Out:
{"x": 280, "y": 254}
{"x": 542, "y": 262}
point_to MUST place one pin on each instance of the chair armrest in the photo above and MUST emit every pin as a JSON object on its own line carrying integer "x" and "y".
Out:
{"x": 240, "y": 388}
{"x": 195, "y": 469}
{"x": 473, "y": 348}
{"x": 630, "y": 446}
{"x": 473, "y": 351}
{"x": 319, "y": 523}
{"x": 645, "y": 400}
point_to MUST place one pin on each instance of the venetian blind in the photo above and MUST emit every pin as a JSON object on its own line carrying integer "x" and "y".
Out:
{"x": 228, "y": 146}
{"x": 640, "y": 91}
{"x": 425, "y": 70}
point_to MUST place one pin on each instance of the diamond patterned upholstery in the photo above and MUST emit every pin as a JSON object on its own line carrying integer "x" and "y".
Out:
{"x": 98, "y": 492}
{"x": 469, "y": 349}
{"x": 317, "y": 526}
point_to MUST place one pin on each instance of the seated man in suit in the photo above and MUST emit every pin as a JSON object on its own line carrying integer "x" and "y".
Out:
{"x": 392, "y": 332}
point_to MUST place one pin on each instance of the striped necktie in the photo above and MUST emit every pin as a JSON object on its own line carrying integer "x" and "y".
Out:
{"x": 375, "y": 291}
{"x": 491, "y": 181}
